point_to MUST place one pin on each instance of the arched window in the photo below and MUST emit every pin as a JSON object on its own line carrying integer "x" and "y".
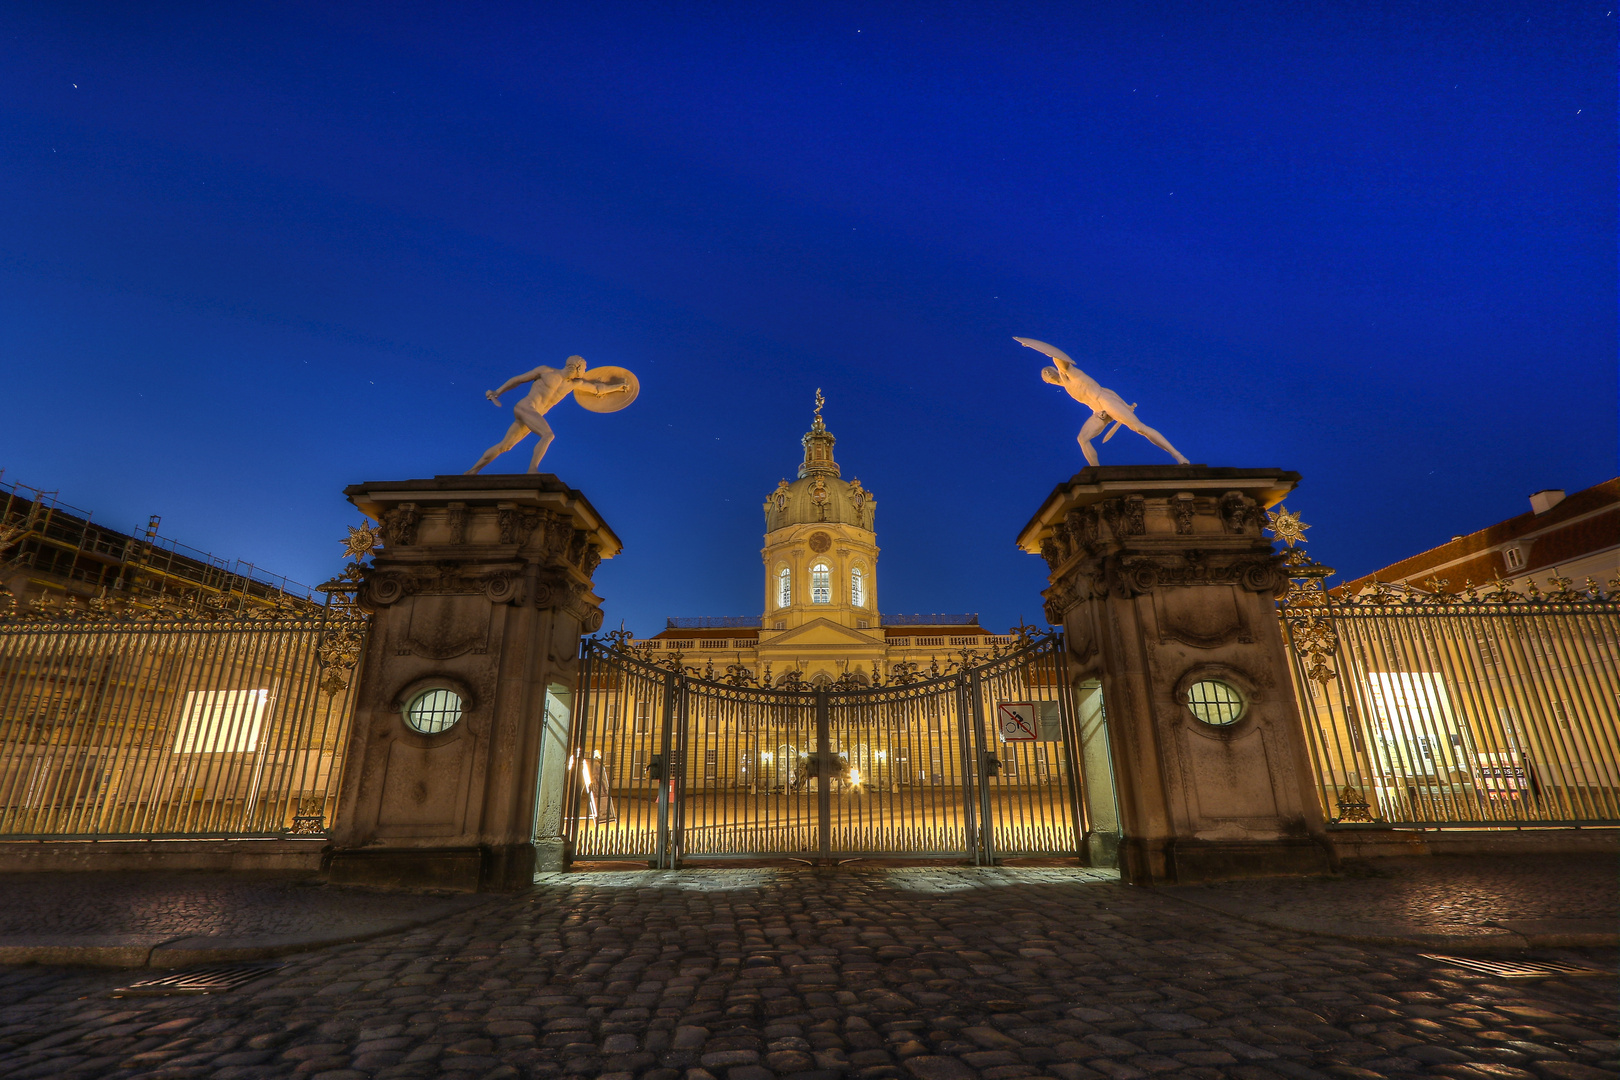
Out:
{"x": 820, "y": 584}
{"x": 784, "y": 587}
{"x": 857, "y": 587}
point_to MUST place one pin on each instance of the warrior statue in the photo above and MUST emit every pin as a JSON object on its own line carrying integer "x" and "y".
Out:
{"x": 603, "y": 389}
{"x": 1106, "y": 406}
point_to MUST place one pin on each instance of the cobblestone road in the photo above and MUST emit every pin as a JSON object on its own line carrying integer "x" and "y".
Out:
{"x": 1461, "y": 897}
{"x": 864, "y": 974}
{"x": 1449, "y": 890}
{"x": 180, "y": 904}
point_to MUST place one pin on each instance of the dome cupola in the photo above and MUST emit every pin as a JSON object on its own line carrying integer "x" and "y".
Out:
{"x": 820, "y": 494}
{"x": 821, "y": 552}
{"x": 818, "y": 446}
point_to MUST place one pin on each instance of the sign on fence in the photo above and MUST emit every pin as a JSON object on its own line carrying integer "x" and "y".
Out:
{"x": 1017, "y": 721}
{"x": 1029, "y": 721}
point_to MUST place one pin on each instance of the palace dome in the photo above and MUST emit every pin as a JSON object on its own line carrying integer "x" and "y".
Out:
{"x": 820, "y": 494}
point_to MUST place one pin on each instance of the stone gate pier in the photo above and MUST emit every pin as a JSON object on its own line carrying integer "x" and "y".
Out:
{"x": 1166, "y": 591}
{"x": 458, "y": 753}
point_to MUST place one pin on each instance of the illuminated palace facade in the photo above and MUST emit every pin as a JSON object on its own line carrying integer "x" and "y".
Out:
{"x": 821, "y": 615}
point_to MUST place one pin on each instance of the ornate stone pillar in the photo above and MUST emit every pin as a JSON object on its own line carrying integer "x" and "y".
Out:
{"x": 1166, "y": 591}
{"x": 457, "y": 754}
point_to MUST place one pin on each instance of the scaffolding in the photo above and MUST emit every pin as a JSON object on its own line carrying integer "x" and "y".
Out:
{"x": 51, "y": 552}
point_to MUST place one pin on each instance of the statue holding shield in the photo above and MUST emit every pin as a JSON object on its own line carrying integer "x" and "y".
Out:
{"x": 603, "y": 389}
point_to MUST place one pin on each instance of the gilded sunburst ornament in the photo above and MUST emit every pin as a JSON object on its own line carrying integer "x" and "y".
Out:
{"x": 1286, "y": 526}
{"x": 360, "y": 541}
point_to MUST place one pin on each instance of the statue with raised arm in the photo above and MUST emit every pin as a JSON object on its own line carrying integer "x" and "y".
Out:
{"x": 603, "y": 389}
{"x": 1106, "y": 406}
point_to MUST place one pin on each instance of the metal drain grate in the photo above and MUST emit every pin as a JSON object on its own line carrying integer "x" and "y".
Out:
{"x": 202, "y": 980}
{"x": 1517, "y": 969}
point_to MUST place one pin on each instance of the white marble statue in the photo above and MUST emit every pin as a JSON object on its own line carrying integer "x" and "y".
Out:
{"x": 603, "y": 389}
{"x": 1106, "y": 406}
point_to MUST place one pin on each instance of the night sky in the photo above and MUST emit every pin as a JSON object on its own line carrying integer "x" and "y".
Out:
{"x": 251, "y": 254}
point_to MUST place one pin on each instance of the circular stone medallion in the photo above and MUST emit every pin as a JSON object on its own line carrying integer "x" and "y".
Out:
{"x": 820, "y": 542}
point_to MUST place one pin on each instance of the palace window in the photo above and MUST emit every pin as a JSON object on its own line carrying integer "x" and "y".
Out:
{"x": 784, "y": 587}
{"x": 820, "y": 584}
{"x": 857, "y": 587}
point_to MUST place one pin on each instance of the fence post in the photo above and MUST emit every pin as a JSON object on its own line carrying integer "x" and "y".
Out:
{"x": 966, "y": 772}
{"x": 1164, "y": 586}
{"x": 1068, "y": 723}
{"x": 987, "y": 840}
{"x": 824, "y": 765}
{"x": 482, "y": 590}
{"x": 677, "y": 778}
{"x": 578, "y": 740}
{"x": 666, "y": 775}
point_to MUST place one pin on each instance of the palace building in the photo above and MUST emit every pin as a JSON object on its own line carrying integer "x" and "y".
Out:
{"x": 1557, "y": 543}
{"x": 821, "y": 615}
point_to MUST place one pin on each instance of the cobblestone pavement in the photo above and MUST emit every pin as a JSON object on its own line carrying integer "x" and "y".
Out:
{"x": 865, "y": 973}
{"x": 130, "y": 919}
{"x": 182, "y": 904}
{"x": 1473, "y": 897}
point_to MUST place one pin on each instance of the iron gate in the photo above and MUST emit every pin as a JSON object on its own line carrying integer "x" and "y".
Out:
{"x": 668, "y": 762}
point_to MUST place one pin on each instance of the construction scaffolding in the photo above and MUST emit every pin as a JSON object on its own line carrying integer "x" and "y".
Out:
{"x": 53, "y": 555}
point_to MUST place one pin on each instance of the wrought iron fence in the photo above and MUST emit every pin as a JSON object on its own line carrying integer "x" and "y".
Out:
{"x": 173, "y": 723}
{"x": 671, "y": 761}
{"x": 1486, "y": 708}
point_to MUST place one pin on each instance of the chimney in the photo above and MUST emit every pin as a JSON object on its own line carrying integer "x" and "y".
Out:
{"x": 1543, "y": 501}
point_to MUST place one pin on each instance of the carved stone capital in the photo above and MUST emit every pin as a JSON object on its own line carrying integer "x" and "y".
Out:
{"x": 1237, "y": 511}
{"x": 1081, "y": 526}
{"x": 1182, "y": 507}
{"x": 399, "y": 525}
{"x": 456, "y": 516}
{"x": 518, "y": 524}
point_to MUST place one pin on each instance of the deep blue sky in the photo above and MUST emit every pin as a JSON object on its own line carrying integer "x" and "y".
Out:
{"x": 250, "y": 254}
